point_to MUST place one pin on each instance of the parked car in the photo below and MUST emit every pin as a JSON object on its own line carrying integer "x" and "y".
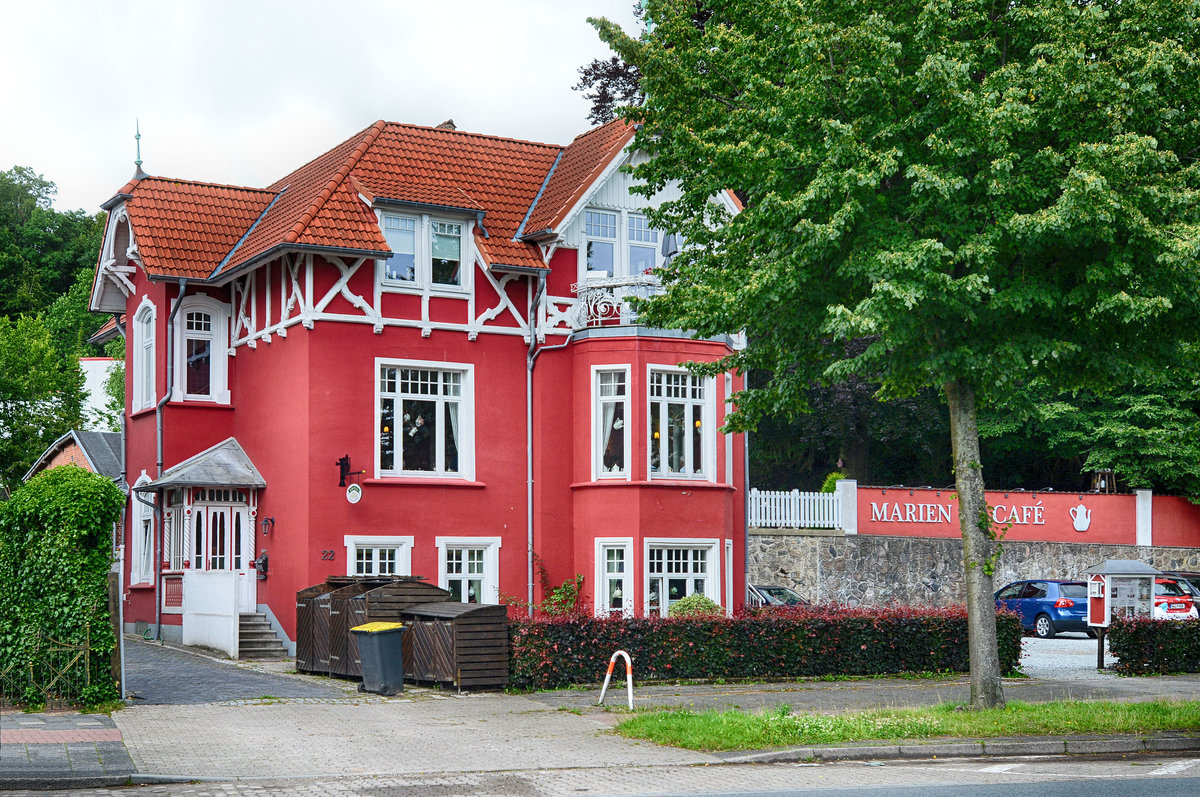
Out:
{"x": 1189, "y": 581}
{"x": 1046, "y": 606}
{"x": 1172, "y": 601}
{"x": 769, "y": 595}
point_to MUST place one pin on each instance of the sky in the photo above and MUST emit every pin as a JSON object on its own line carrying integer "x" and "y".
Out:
{"x": 242, "y": 93}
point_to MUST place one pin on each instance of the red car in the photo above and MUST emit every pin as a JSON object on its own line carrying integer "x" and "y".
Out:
{"x": 1172, "y": 601}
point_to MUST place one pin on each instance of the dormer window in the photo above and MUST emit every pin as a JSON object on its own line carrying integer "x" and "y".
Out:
{"x": 618, "y": 243}
{"x": 426, "y": 252}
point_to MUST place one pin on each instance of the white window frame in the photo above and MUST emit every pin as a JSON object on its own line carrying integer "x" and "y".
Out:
{"x": 141, "y": 545}
{"x": 490, "y": 588}
{"x": 144, "y": 360}
{"x": 708, "y": 421}
{"x": 603, "y": 545}
{"x": 466, "y": 421}
{"x": 402, "y": 543}
{"x": 598, "y": 402}
{"x": 218, "y": 376}
{"x": 422, "y": 281}
{"x": 712, "y": 578}
{"x": 621, "y": 242}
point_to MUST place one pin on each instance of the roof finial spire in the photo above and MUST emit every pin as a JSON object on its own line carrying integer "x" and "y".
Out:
{"x": 138, "y": 174}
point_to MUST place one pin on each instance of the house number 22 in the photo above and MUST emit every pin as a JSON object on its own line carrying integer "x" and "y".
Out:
{"x": 327, "y": 555}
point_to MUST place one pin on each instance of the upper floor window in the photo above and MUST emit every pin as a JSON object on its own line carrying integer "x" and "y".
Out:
{"x": 681, "y": 443}
{"x": 619, "y": 244}
{"x": 143, "y": 357}
{"x": 425, "y": 419}
{"x": 201, "y": 351}
{"x": 611, "y": 409}
{"x": 425, "y": 251}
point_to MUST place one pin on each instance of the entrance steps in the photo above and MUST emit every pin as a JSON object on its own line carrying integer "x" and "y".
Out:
{"x": 256, "y": 638}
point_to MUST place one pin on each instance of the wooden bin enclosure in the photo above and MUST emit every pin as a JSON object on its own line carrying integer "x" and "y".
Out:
{"x": 464, "y": 644}
{"x": 323, "y": 623}
{"x": 383, "y": 603}
{"x": 309, "y": 652}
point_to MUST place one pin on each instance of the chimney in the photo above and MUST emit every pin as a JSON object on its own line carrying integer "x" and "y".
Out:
{"x": 447, "y": 125}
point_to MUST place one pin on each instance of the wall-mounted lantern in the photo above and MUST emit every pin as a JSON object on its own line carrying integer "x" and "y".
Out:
{"x": 268, "y": 525}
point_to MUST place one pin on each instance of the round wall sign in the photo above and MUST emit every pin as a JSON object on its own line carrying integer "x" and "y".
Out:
{"x": 354, "y": 493}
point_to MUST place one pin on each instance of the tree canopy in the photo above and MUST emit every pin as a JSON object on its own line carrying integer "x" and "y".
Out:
{"x": 994, "y": 194}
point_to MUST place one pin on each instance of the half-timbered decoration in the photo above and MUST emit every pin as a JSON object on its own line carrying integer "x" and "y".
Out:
{"x": 413, "y": 355}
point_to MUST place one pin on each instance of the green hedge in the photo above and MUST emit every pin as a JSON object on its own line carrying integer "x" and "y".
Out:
{"x": 55, "y": 555}
{"x": 1154, "y": 647}
{"x": 550, "y": 653}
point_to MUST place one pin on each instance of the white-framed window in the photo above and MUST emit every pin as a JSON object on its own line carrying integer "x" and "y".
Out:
{"x": 681, "y": 417}
{"x": 425, "y": 419}
{"x": 368, "y": 555}
{"x": 427, "y": 252}
{"x": 610, "y": 422}
{"x": 143, "y": 356}
{"x": 618, "y": 243}
{"x": 201, "y": 350}
{"x": 175, "y": 520}
{"x": 470, "y": 568}
{"x": 676, "y": 568}
{"x": 614, "y": 576}
{"x": 141, "y": 537}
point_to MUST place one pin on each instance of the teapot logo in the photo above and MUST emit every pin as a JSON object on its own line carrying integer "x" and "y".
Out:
{"x": 1082, "y": 517}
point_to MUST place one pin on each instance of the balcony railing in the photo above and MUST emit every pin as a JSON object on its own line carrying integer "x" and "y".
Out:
{"x": 606, "y": 301}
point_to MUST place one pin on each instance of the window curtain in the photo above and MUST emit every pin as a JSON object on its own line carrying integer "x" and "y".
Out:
{"x": 610, "y": 412}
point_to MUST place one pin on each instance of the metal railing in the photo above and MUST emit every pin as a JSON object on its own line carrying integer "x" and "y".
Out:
{"x": 792, "y": 509}
{"x": 51, "y": 673}
{"x": 606, "y": 301}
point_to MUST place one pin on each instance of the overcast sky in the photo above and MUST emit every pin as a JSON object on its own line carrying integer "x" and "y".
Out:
{"x": 243, "y": 92}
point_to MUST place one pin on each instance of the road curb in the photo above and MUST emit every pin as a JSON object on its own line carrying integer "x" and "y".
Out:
{"x": 992, "y": 748}
{"x": 55, "y": 781}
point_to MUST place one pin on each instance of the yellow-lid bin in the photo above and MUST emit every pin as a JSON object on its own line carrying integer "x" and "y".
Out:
{"x": 374, "y": 628}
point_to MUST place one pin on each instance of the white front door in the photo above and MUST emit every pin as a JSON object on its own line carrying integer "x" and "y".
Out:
{"x": 223, "y": 541}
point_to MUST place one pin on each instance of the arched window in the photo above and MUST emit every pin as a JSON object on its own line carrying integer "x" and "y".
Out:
{"x": 143, "y": 356}
{"x": 201, "y": 351}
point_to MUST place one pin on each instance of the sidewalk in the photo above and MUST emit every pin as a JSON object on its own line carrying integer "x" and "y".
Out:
{"x": 275, "y": 725}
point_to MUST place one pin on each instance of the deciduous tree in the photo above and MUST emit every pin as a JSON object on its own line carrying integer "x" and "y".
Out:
{"x": 993, "y": 192}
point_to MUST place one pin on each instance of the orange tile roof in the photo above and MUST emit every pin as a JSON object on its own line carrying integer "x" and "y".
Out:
{"x": 582, "y": 162}
{"x": 196, "y": 230}
{"x": 184, "y": 228}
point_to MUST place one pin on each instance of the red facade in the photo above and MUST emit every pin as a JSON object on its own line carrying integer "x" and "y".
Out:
{"x": 384, "y": 307}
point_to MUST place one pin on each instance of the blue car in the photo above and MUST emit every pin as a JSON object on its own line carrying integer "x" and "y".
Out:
{"x": 1047, "y": 607}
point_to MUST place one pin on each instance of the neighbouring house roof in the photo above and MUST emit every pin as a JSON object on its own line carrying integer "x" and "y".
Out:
{"x": 223, "y": 465}
{"x": 205, "y": 231}
{"x": 101, "y": 450}
{"x": 107, "y": 331}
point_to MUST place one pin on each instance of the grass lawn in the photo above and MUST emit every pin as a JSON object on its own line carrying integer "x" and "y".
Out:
{"x": 735, "y": 730}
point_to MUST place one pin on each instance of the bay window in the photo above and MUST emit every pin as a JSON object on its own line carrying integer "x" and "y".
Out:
{"x": 611, "y": 414}
{"x": 681, "y": 416}
{"x": 425, "y": 420}
{"x": 676, "y": 569}
{"x": 614, "y": 576}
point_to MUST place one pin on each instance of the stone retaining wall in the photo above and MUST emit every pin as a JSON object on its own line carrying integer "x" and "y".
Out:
{"x": 871, "y": 570}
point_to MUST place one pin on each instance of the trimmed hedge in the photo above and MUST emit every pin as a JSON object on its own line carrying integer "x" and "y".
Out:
{"x": 1154, "y": 647}
{"x": 550, "y": 653}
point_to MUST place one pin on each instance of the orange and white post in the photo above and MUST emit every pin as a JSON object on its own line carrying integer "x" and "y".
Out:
{"x": 628, "y": 677}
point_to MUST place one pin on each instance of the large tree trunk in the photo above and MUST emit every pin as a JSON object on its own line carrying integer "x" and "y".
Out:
{"x": 986, "y": 688}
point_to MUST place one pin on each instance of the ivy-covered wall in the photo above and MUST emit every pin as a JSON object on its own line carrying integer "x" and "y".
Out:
{"x": 55, "y": 555}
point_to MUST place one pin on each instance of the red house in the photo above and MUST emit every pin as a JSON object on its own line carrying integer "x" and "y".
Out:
{"x": 413, "y": 355}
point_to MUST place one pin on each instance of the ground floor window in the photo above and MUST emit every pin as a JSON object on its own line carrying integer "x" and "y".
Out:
{"x": 378, "y": 555}
{"x": 614, "y": 577}
{"x": 676, "y": 569}
{"x": 470, "y": 568}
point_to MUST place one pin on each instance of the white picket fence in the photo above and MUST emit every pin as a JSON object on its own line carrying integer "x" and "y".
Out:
{"x": 782, "y": 509}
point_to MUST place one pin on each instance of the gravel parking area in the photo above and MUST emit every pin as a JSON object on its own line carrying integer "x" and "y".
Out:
{"x": 1066, "y": 657}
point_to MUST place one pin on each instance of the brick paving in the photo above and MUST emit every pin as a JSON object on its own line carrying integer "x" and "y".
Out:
{"x": 79, "y": 749}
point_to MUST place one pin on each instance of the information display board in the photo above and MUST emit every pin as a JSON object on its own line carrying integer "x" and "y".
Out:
{"x": 1131, "y": 596}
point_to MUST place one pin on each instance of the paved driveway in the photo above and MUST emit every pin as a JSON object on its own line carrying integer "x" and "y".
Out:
{"x": 161, "y": 675}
